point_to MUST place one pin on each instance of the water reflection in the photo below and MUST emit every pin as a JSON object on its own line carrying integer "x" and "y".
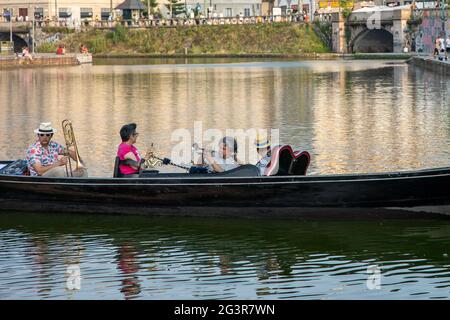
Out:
{"x": 129, "y": 266}
{"x": 351, "y": 115}
{"x": 160, "y": 258}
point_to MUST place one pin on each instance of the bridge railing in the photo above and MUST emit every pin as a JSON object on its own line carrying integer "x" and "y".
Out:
{"x": 149, "y": 23}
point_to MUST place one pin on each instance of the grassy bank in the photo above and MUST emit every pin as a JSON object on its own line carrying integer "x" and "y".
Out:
{"x": 280, "y": 38}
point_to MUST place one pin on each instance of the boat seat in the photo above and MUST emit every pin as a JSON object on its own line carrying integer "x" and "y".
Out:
{"x": 118, "y": 162}
{"x": 246, "y": 170}
{"x": 16, "y": 168}
{"x": 285, "y": 162}
{"x": 300, "y": 164}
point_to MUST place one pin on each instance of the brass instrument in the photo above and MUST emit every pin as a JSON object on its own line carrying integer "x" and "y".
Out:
{"x": 69, "y": 137}
{"x": 151, "y": 160}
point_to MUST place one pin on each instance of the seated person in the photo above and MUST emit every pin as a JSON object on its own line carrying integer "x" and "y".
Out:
{"x": 264, "y": 154}
{"x": 48, "y": 158}
{"x": 61, "y": 50}
{"x": 127, "y": 150}
{"x": 226, "y": 158}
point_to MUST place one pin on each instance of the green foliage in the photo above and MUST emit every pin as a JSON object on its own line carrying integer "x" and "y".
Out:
{"x": 347, "y": 7}
{"x": 153, "y": 4}
{"x": 58, "y": 30}
{"x": 176, "y": 7}
{"x": 119, "y": 34}
{"x": 97, "y": 44}
{"x": 346, "y": 12}
{"x": 348, "y": 34}
{"x": 277, "y": 38}
{"x": 46, "y": 47}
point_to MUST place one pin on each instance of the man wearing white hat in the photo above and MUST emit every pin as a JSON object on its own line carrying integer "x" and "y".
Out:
{"x": 48, "y": 158}
{"x": 264, "y": 153}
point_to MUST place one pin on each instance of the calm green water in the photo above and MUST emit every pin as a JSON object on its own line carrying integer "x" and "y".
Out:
{"x": 156, "y": 258}
{"x": 352, "y": 116}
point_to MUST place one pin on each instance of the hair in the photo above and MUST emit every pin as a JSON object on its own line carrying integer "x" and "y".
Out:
{"x": 127, "y": 130}
{"x": 230, "y": 143}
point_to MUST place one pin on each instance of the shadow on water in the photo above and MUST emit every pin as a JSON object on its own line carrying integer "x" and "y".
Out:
{"x": 139, "y": 257}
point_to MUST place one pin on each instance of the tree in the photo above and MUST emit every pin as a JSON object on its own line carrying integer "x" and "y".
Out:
{"x": 346, "y": 6}
{"x": 175, "y": 7}
{"x": 150, "y": 4}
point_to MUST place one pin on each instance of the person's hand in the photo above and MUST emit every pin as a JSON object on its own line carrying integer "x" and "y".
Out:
{"x": 62, "y": 161}
{"x": 209, "y": 158}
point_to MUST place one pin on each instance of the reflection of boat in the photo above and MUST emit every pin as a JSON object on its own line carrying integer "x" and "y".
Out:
{"x": 234, "y": 194}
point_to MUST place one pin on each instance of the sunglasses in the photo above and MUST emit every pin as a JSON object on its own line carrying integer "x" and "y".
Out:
{"x": 45, "y": 134}
{"x": 135, "y": 134}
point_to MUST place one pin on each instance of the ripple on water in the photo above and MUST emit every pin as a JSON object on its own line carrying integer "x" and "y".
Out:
{"x": 159, "y": 261}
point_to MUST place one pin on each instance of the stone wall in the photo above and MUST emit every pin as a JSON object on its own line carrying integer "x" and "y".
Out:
{"x": 44, "y": 60}
{"x": 432, "y": 65}
{"x": 432, "y": 26}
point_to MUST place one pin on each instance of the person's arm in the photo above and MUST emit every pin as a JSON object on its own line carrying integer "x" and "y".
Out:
{"x": 40, "y": 169}
{"x": 130, "y": 156}
{"x": 68, "y": 152}
{"x": 213, "y": 163}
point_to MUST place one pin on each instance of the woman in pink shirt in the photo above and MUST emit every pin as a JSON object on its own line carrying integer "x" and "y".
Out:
{"x": 127, "y": 150}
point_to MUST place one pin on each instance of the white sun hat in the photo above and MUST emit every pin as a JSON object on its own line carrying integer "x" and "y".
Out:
{"x": 45, "y": 127}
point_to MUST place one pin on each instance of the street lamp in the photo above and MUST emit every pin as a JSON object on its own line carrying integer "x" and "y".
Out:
{"x": 10, "y": 25}
{"x": 33, "y": 18}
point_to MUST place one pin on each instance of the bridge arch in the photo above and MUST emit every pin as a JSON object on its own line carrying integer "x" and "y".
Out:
{"x": 373, "y": 40}
{"x": 19, "y": 42}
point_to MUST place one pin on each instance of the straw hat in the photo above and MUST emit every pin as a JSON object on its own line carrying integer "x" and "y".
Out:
{"x": 45, "y": 127}
{"x": 262, "y": 142}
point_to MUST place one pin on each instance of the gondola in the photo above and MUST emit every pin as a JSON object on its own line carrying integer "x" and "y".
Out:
{"x": 287, "y": 193}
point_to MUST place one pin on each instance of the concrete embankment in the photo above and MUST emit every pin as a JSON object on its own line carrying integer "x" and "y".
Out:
{"x": 431, "y": 64}
{"x": 44, "y": 60}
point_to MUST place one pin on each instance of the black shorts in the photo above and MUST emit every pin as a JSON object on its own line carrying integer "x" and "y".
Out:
{"x": 448, "y": 49}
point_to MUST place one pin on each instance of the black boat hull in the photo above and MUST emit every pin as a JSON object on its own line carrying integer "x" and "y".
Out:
{"x": 386, "y": 194}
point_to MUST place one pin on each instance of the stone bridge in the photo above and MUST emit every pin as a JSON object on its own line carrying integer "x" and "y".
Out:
{"x": 21, "y": 33}
{"x": 377, "y": 29}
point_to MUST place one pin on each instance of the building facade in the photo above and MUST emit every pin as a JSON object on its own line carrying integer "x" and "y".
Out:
{"x": 219, "y": 8}
{"x": 76, "y": 10}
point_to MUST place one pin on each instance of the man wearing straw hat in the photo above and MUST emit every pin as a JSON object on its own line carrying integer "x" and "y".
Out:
{"x": 264, "y": 153}
{"x": 49, "y": 158}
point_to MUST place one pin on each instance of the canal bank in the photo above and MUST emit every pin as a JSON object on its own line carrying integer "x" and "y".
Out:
{"x": 431, "y": 64}
{"x": 44, "y": 60}
{"x": 313, "y": 55}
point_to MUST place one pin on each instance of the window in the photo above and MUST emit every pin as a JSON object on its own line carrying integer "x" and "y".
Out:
{"x": 85, "y": 13}
{"x": 65, "y": 13}
{"x": 247, "y": 12}
{"x": 105, "y": 13}
{"x": 228, "y": 12}
{"x": 39, "y": 13}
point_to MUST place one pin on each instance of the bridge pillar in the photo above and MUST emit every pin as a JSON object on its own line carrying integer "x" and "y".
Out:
{"x": 339, "y": 43}
{"x": 399, "y": 25}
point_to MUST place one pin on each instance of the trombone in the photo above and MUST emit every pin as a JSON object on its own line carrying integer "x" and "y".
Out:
{"x": 69, "y": 137}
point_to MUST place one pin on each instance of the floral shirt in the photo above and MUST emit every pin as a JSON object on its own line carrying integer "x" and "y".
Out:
{"x": 44, "y": 156}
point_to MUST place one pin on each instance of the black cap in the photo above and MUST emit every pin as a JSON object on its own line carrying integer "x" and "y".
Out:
{"x": 127, "y": 130}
